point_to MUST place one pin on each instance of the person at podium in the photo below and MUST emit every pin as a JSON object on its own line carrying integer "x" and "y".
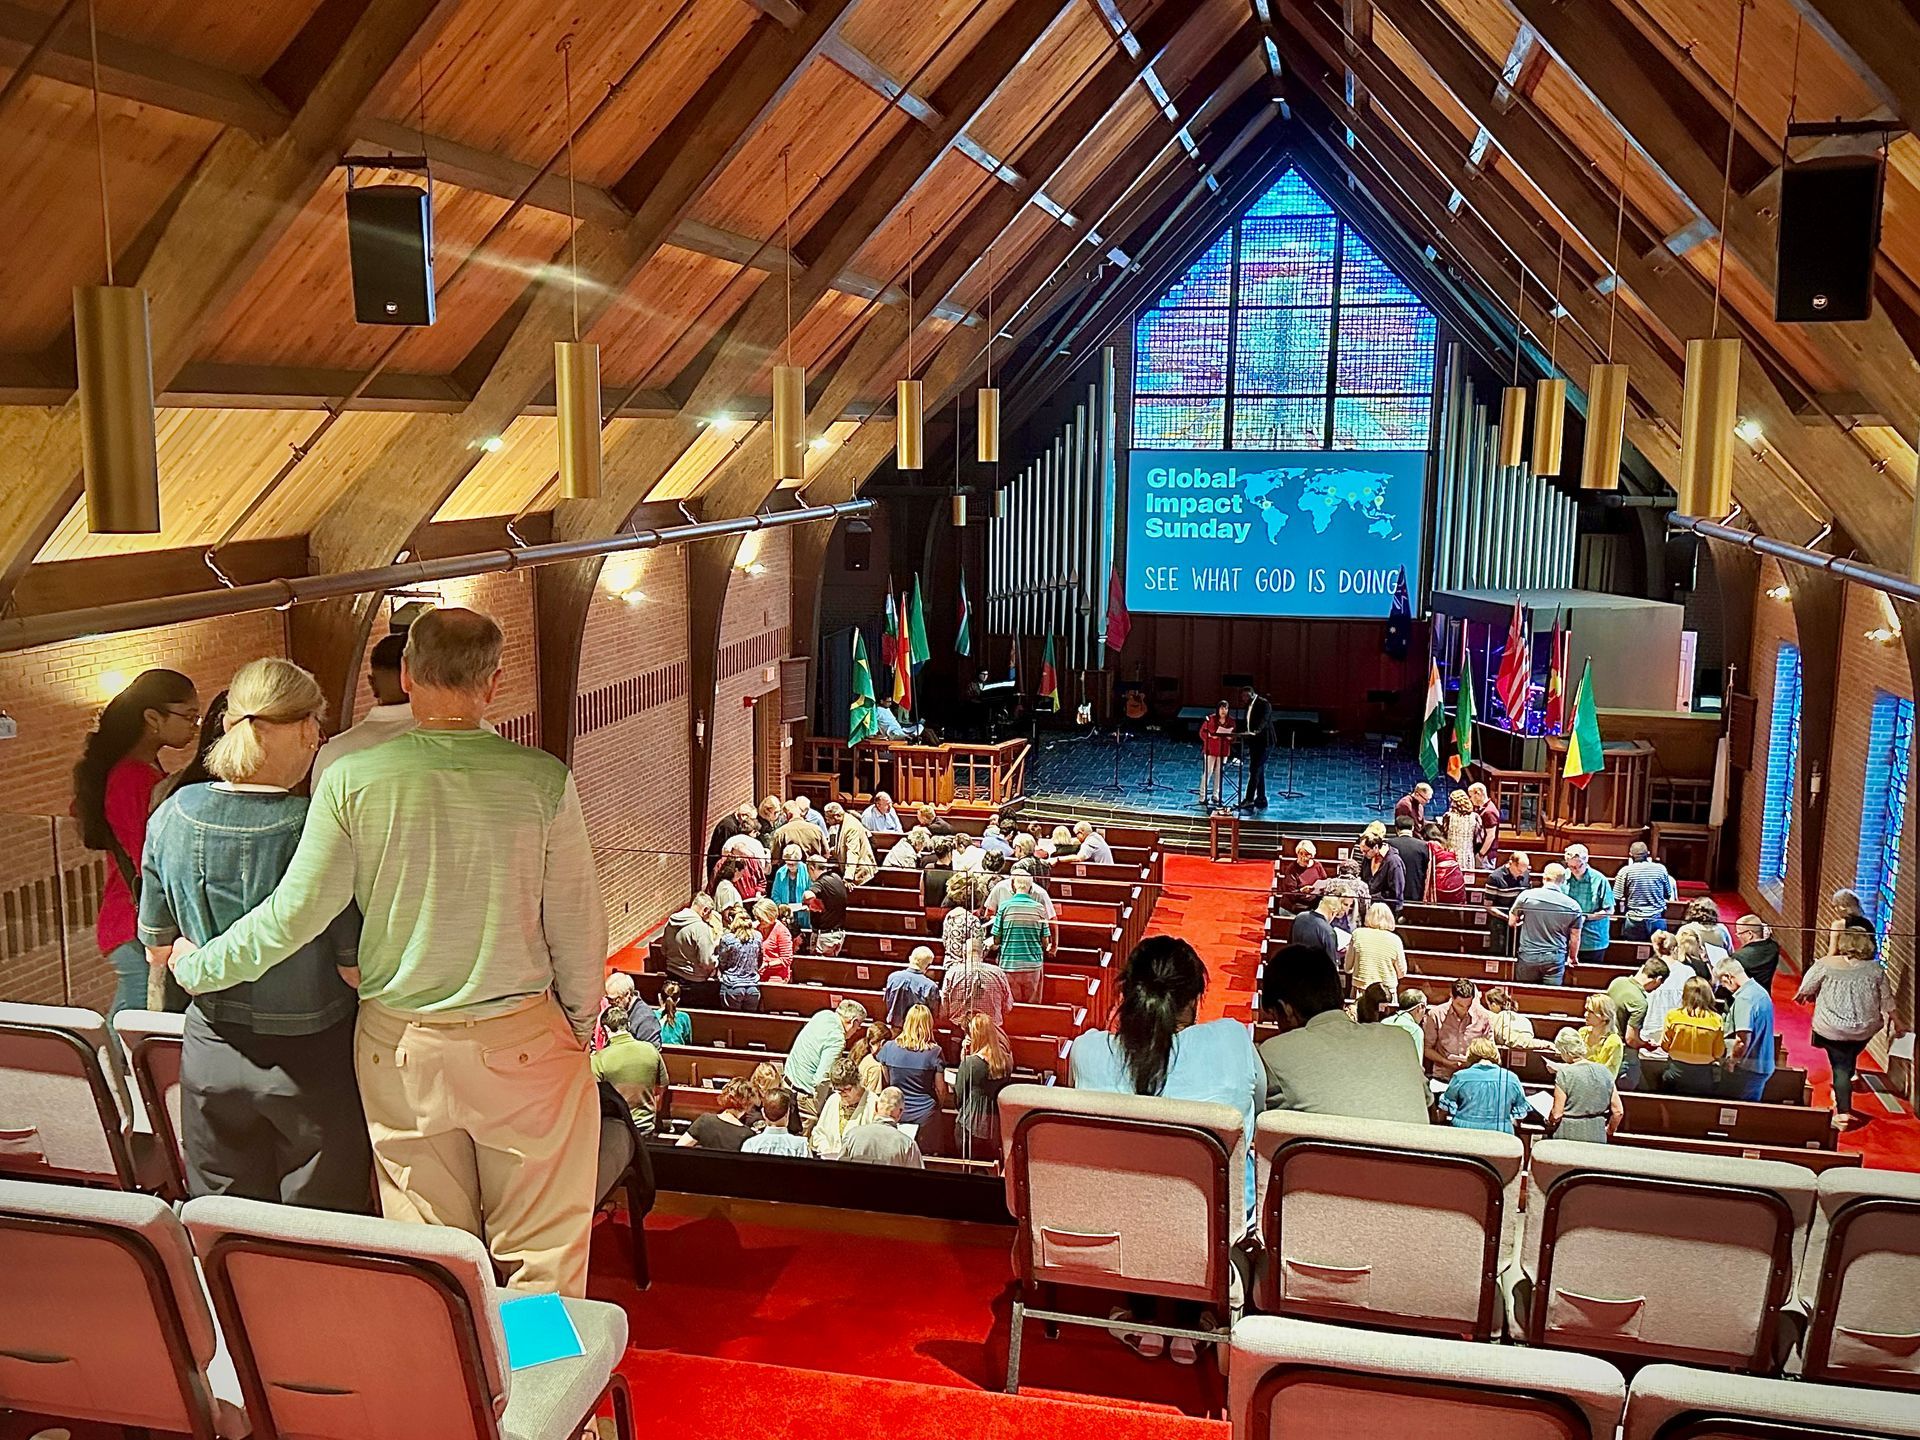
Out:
{"x": 1259, "y": 734}
{"x": 1216, "y": 744}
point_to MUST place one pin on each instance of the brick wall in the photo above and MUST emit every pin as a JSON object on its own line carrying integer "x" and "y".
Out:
{"x": 509, "y": 599}
{"x": 753, "y": 639}
{"x": 54, "y": 692}
{"x": 1773, "y": 626}
{"x": 630, "y": 753}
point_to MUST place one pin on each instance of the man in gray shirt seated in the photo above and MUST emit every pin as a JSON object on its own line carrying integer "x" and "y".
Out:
{"x": 881, "y": 1141}
{"x": 686, "y": 952}
{"x": 1324, "y": 1062}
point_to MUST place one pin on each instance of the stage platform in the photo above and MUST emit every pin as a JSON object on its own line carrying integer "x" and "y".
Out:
{"x": 1093, "y": 778}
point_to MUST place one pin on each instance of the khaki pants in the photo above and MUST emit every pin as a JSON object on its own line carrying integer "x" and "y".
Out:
{"x": 491, "y": 1126}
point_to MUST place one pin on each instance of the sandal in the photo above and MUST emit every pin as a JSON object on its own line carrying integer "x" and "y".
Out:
{"x": 1143, "y": 1343}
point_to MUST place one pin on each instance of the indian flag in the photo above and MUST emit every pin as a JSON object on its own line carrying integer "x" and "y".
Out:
{"x": 1434, "y": 722}
{"x": 963, "y": 638}
{"x": 1584, "y": 757}
{"x": 860, "y": 723}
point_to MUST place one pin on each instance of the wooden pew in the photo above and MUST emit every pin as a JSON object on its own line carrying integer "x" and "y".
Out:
{"x": 1814, "y": 1159}
{"x": 1798, "y": 1127}
{"x": 1071, "y": 988}
{"x": 770, "y": 1037}
{"x": 785, "y": 998}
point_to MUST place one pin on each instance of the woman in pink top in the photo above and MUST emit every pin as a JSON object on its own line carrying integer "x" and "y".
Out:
{"x": 776, "y": 943}
{"x": 113, "y": 794}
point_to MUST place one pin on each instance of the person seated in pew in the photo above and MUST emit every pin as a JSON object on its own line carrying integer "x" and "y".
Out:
{"x": 1601, "y": 1035}
{"x": 741, "y": 822}
{"x": 881, "y": 1141}
{"x": 1056, "y": 847}
{"x": 907, "y": 850}
{"x": 916, "y": 1068}
{"x": 633, "y": 1067}
{"x": 969, "y": 858}
{"x": 1759, "y": 952}
{"x": 776, "y": 1138}
{"x": 1317, "y": 929}
{"x": 1483, "y": 1094}
{"x": 865, "y": 1051}
{"x": 1450, "y": 1030}
{"x": 1299, "y": 881}
{"x": 962, "y": 930}
{"x": 676, "y": 1026}
{"x": 936, "y": 870}
{"x": 737, "y": 958}
{"x": 819, "y": 1046}
{"x": 728, "y": 1129}
{"x": 730, "y": 886}
{"x": 974, "y": 986}
{"x": 997, "y": 837}
{"x": 850, "y": 1103}
{"x": 1695, "y": 1041}
{"x": 776, "y": 943}
{"x": 1373, "y": 1005}
{"x": 1375, "y": 952}
{"x": 930, "y": 820}
{"x": 1505, "y": 884}
{"x": 910, "y": 986}
{"x": 788, "y": 886}
{"x": 1446, "y": 869}
{"x": 686, "y": 951}
{"x": 1586, "y": 1102}
{"x": 1750, "y": 1047}
{"x": 826, "y": 900}
{"x": 1701, "y": 910}
{"x": 1630, "y": 995}
{"x": 766, "y": 1080}
{"x": 1094, "y": 849}
{"x": 986, "y": 1068}
{"x": 1511, "y": 1029}
{"x": 1691, "y": 951}
{"x": 880, "y": 817}
{"x": 1324, "y": 1062}
{"x": 1410, "y": 1017}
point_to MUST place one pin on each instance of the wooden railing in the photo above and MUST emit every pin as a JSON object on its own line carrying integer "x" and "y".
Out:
{"x": 978, "y": 778}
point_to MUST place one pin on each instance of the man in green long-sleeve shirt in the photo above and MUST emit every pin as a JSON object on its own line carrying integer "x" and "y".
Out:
{"x": 482, "y": 957}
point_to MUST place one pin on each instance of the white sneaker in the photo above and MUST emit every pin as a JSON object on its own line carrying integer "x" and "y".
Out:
{"x": 1142, "y": 1343}
{"x": 1185, "y": 1351}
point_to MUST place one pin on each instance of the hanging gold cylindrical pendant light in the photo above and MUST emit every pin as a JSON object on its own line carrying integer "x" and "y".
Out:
{"x": 120, "y": 458}
{"x": 989, "y": 424}
{"x": 908, "y": 425}
{"x": 1513, "y": 426}
{"x": 1606, "y": 427}
{"x": 1710, "y": 406}
{"x": 576, "y": 404}
{"x": 1549, "y": 426}
{"x": 789, "y": 422}
{"x": 959, "y": 512}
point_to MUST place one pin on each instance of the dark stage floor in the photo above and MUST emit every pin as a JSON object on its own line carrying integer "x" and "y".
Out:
{"x": 1337, "y": 783}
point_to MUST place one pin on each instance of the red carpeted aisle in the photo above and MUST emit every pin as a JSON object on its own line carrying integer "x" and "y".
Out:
{"x": 1221, "y": 909}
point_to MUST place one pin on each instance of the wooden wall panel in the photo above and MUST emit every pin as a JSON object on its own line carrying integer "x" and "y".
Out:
{"x": 666, "y": 314}
{"x": 1064, "y": 59}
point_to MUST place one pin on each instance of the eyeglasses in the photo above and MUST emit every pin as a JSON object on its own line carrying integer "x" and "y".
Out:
{"x": 191, "y": 713}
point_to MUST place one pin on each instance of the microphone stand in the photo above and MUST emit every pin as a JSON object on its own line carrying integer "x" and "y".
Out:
{"x": 1293, "y": 745}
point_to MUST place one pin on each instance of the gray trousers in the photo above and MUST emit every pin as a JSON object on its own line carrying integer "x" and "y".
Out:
{"x": 274, "y": 1117}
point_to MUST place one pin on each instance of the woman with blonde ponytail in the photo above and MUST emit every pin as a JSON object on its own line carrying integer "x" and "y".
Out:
{"x": 269, "y": 1106}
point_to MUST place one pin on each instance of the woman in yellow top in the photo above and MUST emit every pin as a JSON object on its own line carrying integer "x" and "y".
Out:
{"x": 1375, "y": 954}
{"x": 1695, "y": 1042}
{"x": 1600, "y": 1035}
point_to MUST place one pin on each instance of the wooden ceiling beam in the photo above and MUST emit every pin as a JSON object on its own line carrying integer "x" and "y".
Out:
{"x": 1686, "y": 143}
{"x": 224, "y": 219}
{"x": 865, "y": 205}
{"x": 1867, "y": 500}
{"x": 888, "y": 87}
{"x": 143, "y": 74}
{"x": 1880, "y": 39}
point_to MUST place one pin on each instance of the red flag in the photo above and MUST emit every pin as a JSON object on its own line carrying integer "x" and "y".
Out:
{"x": 1119, "y": 622}
{"x": 902, "y": 661}
{"x": 1516, "y": 671}
{"x": 1555, "y": 717}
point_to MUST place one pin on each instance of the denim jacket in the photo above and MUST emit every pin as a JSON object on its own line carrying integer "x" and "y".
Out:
{"x": 212, "y": 854}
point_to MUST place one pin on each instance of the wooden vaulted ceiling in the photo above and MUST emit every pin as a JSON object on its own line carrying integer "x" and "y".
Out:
{"x": 939, "y": 140}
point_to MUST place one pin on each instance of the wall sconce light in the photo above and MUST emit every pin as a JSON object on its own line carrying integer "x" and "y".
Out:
{"x": 111, "y": 683}
{"x": 700, "y": 728}
{"x": 1780, "y": 592}
{"x": 1882, "y": 635}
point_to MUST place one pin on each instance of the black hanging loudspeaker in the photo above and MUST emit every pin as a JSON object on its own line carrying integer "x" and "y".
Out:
{"x": 390, "y": 245}
{"x": 856, "y": 545}
{"x": 1829, "y": 232}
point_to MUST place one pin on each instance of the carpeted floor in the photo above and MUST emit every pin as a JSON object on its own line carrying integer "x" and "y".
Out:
{"x": 1221, "y": 909}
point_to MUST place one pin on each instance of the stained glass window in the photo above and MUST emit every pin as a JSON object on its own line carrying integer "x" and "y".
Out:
{"x": 1290, "y": 333}
{"x": 1883, "y": 815}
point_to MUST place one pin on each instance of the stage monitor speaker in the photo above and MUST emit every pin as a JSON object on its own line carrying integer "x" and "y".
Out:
{"x": 390, "y": 248}
{"x": 1829, "y": 237}
{"x": 856, "y": 546}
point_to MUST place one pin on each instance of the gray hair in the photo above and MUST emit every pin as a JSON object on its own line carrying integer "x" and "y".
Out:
{"x": 891, "y": 1102}
{"x": 273, "y": 691}
{"x": 1569, "y": 1045}
{"x": 454, "y": 649}
{"x": 1554, "y": 874}
{"x": 851, "y": 1011}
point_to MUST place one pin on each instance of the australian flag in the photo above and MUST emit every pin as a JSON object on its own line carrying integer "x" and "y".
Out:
{"x": 1399, "y": 636}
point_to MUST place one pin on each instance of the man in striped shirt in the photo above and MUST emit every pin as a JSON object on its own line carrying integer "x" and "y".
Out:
{"x": 1021, "y": 939}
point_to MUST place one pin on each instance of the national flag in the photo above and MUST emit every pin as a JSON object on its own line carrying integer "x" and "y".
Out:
{"x": 1516, "y": 672}
{"x": 1463, "y": 717}
{"x": 1584, "y": 756}
{"x": 1399, "y": 633}
{"x": 903, "y": 664}
{"x": 860, "y": 721}
{"x": 917, "y": 651}
{"x": 1049, "y": 678}
{"x": 1013, "y": 662}
{"x": 1555, "y": 717}
{"x": 963, "y": 637}
{"x": 890, "y": 637}
{"x": 1119, "y": 622}
{"x": 1434, "y": 722}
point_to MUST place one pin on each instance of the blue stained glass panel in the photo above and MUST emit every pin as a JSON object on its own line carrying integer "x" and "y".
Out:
{"x": 1287, "y": 260}
{"x": 1386, "y": 350}
{"x": 1197, "y": 424}
{"x": 1398, "y": 422}
{"x": 1291, "y": 194}
{"x": 1207, "y": 281}
{"x": 1279, "y": 424}
{"x": 1283, "y": 352}
{"x": 1366, "y": 280}
{"x": 1181, "y": 352}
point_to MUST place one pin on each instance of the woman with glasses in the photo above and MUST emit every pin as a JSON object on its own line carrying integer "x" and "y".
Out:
{"x": 113, "y": 786}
